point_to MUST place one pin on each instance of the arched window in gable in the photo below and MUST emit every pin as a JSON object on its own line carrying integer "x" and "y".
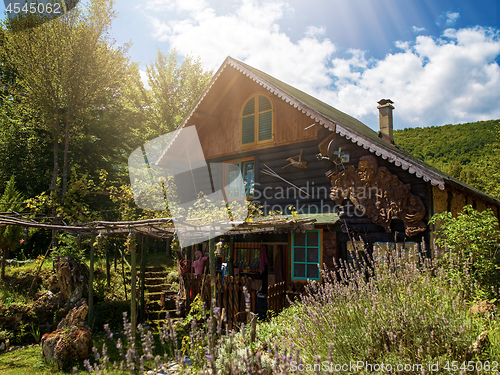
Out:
{"x": 257, "y": 120}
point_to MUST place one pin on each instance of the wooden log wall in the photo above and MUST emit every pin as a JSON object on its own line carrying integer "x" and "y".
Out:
{"x": 273, "y": 192}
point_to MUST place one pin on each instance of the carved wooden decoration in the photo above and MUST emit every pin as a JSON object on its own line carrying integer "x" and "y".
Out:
{"x": 296, "y": 163}
{"x": 380, "y": 194}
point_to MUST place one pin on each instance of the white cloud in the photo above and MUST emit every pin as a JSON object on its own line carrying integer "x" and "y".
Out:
{"x": 451, "y": 18}
{"x": 313, "y": 31}
{"x": 253, "y": 35}
{"x": 433, "y": 81}
{"x": 417, "y": 30}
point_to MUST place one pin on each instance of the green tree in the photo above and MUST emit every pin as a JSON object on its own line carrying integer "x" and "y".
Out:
{"x": 10, "y": 235}
{"x": 174, "y": 90}
{"x": 65, "y": 68}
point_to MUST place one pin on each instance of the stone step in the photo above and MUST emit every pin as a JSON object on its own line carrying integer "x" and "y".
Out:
{"x": 155, "y": 269}
{"x": 154, "y": 306}
{"x": 155, "y": 296}
{"x": 159, "y": 322}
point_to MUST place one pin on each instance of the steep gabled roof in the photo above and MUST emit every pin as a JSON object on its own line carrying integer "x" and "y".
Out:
{"x": 345, "y": 125}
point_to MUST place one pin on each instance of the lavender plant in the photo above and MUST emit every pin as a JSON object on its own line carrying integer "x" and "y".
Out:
{"x": 383, "y": 308}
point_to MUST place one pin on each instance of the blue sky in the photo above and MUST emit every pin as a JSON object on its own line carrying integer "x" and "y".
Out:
{"x": 437, "y": 60}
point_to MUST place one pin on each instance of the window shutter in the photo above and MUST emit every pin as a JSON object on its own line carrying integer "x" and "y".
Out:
{"x": 248, "y": 123}
{"x": 265, "y": 126}
{"x": 264, "y": 104}
{"x": 248, "y": 130}
{"x": 265, "y": 119}
{"x": 249, "y": 108}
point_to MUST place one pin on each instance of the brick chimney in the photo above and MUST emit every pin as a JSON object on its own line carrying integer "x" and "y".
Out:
{"x": 385, "y": 120}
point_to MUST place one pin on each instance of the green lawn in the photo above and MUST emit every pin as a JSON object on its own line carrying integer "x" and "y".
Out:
{"x": 25, "y": 361}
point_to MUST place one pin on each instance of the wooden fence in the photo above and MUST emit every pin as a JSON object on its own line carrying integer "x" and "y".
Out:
{"x": 230, "y": 298}
{"x": 276, "y": 300}
{"x": 229, "y": 295}
{"x": 277, "y": 295}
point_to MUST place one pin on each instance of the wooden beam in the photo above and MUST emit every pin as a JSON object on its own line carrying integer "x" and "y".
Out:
{"x": 108, "y": 264}
{"x": 211, "y": 255}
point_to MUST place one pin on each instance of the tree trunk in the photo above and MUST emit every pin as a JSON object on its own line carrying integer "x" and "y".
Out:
{"x": 66, "y": 157}
{"x": 55, "y": 172}
{"x": 4, "y": 259}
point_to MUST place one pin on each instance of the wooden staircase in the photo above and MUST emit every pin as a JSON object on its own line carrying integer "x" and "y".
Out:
{"x": 155, "y": 287}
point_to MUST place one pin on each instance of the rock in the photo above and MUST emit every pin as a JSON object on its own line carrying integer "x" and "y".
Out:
{"x": 481, "y": 341}
{"x": 4, "y": 345}
{"x": 72, "y": 279}
{"x": 483, "y": 307}
{"x": 53, "y": 284}
{"x": 72, "y": 339}
{"x": 75, "y": 317}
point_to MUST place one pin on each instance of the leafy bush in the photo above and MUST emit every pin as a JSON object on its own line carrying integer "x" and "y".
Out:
{"x": 472, "y": 238}
{"x": 384, "y": 309}
{"x": 68, "y": 247}
{"x": 172, "y": 276}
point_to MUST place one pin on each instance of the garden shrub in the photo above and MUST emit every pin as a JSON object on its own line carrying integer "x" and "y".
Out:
{"x": 69, "y": 247}
{"x": 473, "y": 239}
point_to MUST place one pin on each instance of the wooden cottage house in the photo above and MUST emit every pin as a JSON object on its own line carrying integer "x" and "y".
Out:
{"x": 307, "y": 159}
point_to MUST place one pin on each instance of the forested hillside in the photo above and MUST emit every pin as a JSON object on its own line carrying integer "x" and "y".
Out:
{"x": 468, "y": 151}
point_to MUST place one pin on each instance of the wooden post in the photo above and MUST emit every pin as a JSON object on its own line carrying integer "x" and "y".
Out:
{"x": 108, "y": 264}
{"x": 143, "y": 277}
{"x": 133, "y": 272}
{"x": 115, "y": 247}
{"x": 168, "y": 250}
{"x": 230, "y": 257}
{"x": 122, "y": 253}
{"x": 91, "y": 282}
{"x": 211, "y": 254}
